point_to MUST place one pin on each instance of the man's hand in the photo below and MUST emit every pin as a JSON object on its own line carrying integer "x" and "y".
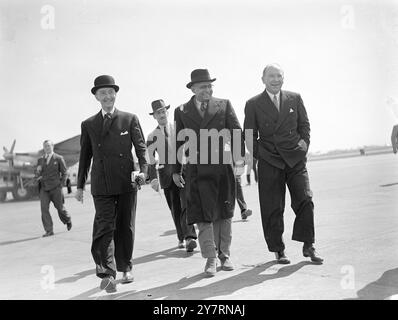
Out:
{"x": 140, "y": 178}
{"x": 303, "y": 145}
{"x": 79, "y": 195}
{"x": 155, "y": 185}
{"x": 394, "y": 138}
{"x": 178, "y": 180}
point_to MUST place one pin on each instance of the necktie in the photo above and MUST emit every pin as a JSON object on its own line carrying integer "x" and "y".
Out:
{"x": 166, "y": 131}
{"x": 47, "y": 159}
{"x": 107, "y": 123}
{"x": 203, "y": 106}
{"x": 275, "y": 101}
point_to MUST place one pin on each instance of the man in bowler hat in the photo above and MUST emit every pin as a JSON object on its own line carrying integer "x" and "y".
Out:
{"x": 210, "y": 187}
{"x": 51, "y": 171}
{"x": 175, "y": 196}
{"x": 281, "y": 136}
{"x": 107, "y": 139}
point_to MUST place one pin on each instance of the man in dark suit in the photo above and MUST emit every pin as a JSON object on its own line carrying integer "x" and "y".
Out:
{"x": 107, "y": 138}
{"x": 210, "y": 185}
{"x": 52, "y": 173}
{"x": 281, "y": 136}
{"x": 160, "y": 141}
{"x": 394, "y": 138}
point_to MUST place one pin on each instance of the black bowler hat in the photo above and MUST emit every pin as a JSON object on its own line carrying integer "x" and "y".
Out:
{"x": 157, "y": 105}
{"x": 104, "y": 81}
{"x": 199, "y": 75}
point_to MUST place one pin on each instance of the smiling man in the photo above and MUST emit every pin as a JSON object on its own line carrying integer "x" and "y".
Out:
{"x": 107, "y": 138}
{"x": 281, "y": 136}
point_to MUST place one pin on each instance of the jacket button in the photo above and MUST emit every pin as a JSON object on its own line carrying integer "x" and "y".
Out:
{"x": 121, "y": 155}
{"x": 99, "y": 144}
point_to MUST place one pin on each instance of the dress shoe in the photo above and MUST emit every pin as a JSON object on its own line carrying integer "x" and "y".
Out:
{"x": 246, "y": 214}
{"x": 48, "y": 234}
{"x": 309, "y": 251}
{"x": 281, "y": 257}
{"x": 127, "y": 277}
{"x": 108, "y": 283}
{"x": 226, "y": 264}
{"x": 69, "y": 225}
{"x": 190, "y": 244}
{"x": 211, "y": 267}
{"x": 180, "y": 244}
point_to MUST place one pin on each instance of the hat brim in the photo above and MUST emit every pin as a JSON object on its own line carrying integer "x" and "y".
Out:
{"x": 189, "y": 85}
{"x": 114, "y": 86}
{"x": 166, "y": 107}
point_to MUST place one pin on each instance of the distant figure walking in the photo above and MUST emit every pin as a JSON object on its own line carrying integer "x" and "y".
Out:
{"x": 394, "y": 138}
{"x": 51, "y": 171}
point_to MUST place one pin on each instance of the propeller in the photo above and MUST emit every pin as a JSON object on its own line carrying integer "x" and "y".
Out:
{"x": 9, "y": 155}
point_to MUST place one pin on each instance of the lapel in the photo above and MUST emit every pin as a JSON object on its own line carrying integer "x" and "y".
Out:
{"x": 211, "y": 111}
{"x": 191, "y": 111}
{"x": 267, "y": 106}
{"x": 97, "y": 124}
{"x": 284, "y": 109}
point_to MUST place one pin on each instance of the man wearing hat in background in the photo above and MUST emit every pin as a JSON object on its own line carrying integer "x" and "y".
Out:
{"x": 175, "y": 197}
{"x": 210, "y": 188}
{"x": 107, "y": 138}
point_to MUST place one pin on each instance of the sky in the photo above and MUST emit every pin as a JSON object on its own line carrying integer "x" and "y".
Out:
{"x": 341, "y": 56}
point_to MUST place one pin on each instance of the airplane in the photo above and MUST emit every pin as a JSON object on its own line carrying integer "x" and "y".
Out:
{"x": 17, "y": 171}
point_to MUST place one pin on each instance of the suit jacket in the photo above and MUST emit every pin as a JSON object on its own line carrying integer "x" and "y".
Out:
{"x": 210, "y": 188}
{"x": 53, "y": 174}
{"x": 276, "y": 134}
{"x": 110, "y": 151}
{"x": 165, "y": 168}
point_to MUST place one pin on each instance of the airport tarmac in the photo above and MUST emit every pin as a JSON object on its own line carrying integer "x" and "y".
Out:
{"x": 356, "y": 229}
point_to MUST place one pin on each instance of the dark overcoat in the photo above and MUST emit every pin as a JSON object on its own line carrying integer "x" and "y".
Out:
{"x": 210, "y": 188}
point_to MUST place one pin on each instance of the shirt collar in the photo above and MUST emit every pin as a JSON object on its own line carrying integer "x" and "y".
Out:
{"x": 104, "y": 112}
{"x": 271, "y": 95}
{"x": 49, "y": 155}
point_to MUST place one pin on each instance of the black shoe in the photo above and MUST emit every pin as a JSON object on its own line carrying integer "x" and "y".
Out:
{"x": 246, "y": 213}
{"x": 309, "y": 251}
{"x": 108, "y": 283}
{"x": 48, "y": 234}
{"x": 190, "y": 244}
{"x": 281, "y": 257}
{"x": 69, "y": 225}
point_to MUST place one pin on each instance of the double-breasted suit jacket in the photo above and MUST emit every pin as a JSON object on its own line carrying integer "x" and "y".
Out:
{"x": 111, "y": 153}
{"x": 53, "y": 174}
{"x": 276, "y": 134}
{"x": 210, "y": 188}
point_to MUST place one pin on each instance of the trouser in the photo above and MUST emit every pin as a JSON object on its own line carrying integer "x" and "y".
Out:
{"x": 239, "y": 194}
{"x": 215, "y": 238}
{"x": 176, "y": 201}
{"x": 56, "y": 197}
{"x": 113, "y": 233}
{"x": 272, "y": 191}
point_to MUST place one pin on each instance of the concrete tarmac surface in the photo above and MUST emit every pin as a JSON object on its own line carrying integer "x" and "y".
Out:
{"x": 356, "y": 230}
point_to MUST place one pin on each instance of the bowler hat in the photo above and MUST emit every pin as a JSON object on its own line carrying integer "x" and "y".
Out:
{"x": 157, "y": 105}
{"x": 104, "y": 81}
{"x": 199, "y": 75}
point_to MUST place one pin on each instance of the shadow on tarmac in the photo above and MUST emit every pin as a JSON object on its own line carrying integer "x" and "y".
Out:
{"x": 165, "y": 254}
{"x": 168, "y": 233}
{"x": 382, "y": 288}
{"x": 4, "y": 243}
{"x": 175, "y": 290}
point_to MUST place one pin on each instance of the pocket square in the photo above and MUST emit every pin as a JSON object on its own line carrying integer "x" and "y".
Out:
{"x": 291, "y": 110}
{"x": 124, "y": 133}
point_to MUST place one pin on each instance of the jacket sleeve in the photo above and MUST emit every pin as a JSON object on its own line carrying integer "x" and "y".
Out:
{"x": 151, "y": 166}
{"x": 86, "y": 153}
{"x": 303, "y": 125}
{"x": 63, "y": 170}
{"x": 250, "y": 123}
{"x": 179, "y": 125}
{"x": 234, "y": 126}
{"x": 138, "y": 140}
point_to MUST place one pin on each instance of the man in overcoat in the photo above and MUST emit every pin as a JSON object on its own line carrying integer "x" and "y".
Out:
{"x": 209, "y": 178}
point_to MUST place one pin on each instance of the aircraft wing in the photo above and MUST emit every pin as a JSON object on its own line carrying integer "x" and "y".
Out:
{"x": 69, "y": 149}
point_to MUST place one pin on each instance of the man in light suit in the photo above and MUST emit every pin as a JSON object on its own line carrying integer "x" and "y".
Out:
{"x": 210, "y": 187}
{"x": 281, "y": 136}
{"x": 175, "y": 196}
{"x": 52, "y": 173}
{"x": 107, "y": 139}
